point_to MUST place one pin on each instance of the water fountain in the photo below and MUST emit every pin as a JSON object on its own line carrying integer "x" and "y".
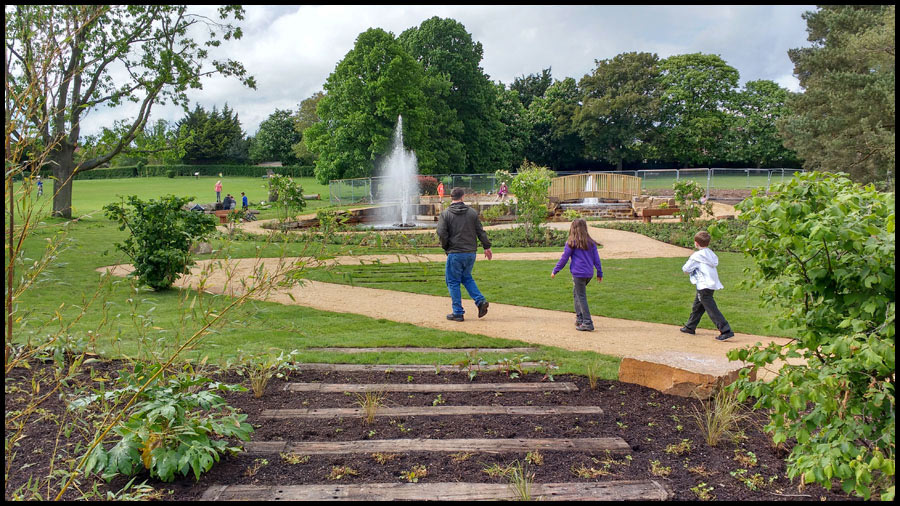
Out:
{"x": 399, "y": 186}
{"x": 589, "y": 186}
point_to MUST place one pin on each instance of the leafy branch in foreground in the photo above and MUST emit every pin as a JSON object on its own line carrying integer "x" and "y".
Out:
{"x": 824, "y": 251}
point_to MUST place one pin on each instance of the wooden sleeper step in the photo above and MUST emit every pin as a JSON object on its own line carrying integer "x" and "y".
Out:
{"x": 431, "y": 411}
{"x": 626, "y": 490}
{"x": 430, "y": 387}
{"x": 315, "y": 366}
{"x": 615, "y": 445}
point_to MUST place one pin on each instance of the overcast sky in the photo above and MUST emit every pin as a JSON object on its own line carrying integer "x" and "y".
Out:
{"x": 291, "y": 50}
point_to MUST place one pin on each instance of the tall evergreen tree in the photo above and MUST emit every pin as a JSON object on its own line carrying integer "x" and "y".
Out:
{"x": 844, "y": 119}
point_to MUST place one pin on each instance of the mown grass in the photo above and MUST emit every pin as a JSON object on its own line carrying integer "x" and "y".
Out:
{"x": 142, "y": 319}
{"x": 89, "y": 196}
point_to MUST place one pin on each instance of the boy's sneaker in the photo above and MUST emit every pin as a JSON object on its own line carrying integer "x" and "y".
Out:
{"x": 725, "y": 335}
{"x": 688, "y": 331}
{"x": 455, "y": 317}
{"x": 586, "y": 328}
{"x": 482, "y": 308}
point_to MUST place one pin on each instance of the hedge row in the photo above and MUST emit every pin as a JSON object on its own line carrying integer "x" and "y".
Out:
{"x": 189, "y": 170}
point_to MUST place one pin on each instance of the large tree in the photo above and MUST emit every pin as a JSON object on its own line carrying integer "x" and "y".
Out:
{"x": 446, "y": 51}
{"x": 373, "y": 84}
{"x": 78, "y": 54}
{"x": 532, "y": 86}
{"x": 274, "y": 139}
{"x": 620, "y": 107}
{"x": 554, "y": 142}
{"x": 306, "y": 117}
{"x": 844, "y": 119}
{"x": 752, "y": 136}
{"x": 695, "y": 91}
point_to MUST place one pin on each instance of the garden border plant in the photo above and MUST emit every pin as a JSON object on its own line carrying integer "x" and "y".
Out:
{"x": 824, "y": 252}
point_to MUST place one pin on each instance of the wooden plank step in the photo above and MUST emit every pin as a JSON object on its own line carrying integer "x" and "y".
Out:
{"x": 600, "y": 444}
{"x": 626, "y": 490}
{"x": 432, "y": 411}
{"x": 423, "y": 350}
{"x": 564, "y": 386}
{"x": 315, "y": 366}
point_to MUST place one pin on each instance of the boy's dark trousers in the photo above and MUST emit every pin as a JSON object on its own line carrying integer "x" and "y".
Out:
{"x": 705, "y": 302}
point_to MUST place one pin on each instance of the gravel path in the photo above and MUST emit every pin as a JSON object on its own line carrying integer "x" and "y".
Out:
{"x": 613, "y": 336}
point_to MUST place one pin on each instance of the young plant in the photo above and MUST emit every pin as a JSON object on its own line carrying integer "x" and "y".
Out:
{"x": 691, "y": 201}
{"x": 384, "y": 458}
{"x": 583, "y": 471}
{"x": 263, "y": 367}
{"x": 413, "y": 475}
{"x": 520, "y": 480}
{"x": 592, "y": 370}
{"x": 369, "y": 403}
{"x": 535, "y": 458}
{"x": 680, "y": 448}
{"x": 255, "y": 467}
{"x": 657, "y": 469}
{"x": 338, "y": 472}
{"x": 294, "y": 458}
{"x": 720, "y": 416}
{"x": 702, "y": 491}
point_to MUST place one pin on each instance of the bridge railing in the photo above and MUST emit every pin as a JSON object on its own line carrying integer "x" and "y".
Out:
{"x": 601, "y": 185}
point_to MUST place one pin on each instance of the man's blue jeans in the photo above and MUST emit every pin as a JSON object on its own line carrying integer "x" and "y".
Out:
{"x": 459, "y": 271}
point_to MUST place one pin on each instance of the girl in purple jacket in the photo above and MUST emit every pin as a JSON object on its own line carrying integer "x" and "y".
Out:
{"x": 585, "y": 257}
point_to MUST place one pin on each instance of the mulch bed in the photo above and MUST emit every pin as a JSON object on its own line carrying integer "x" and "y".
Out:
{"x": 648, "y": 421}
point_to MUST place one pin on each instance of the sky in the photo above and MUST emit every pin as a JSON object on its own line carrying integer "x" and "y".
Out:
{"x": 291, "y": 50}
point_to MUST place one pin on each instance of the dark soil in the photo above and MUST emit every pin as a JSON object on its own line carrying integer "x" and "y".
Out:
{"x": 648, "y": 420}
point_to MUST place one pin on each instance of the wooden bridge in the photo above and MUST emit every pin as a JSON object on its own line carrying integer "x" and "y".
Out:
{"x": 601, "y": 185}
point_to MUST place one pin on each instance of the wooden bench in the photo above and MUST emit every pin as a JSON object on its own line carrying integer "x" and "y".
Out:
{"x": 223, "y": 215}
{"x": 647, "y": 212}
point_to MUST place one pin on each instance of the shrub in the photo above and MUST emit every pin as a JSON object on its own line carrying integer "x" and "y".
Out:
{"x": 161, "y": 235}
{"x": 260, "y": 368}
{"x": 427, "y": 185}
{"x": 530, "y": 186}
{"x": 823, "y": 248}
{"x": 289, "y": 196}
{"x": 689, "y": 197}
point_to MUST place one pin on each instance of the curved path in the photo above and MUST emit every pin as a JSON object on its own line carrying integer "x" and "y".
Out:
{"x": 613, "y": 336}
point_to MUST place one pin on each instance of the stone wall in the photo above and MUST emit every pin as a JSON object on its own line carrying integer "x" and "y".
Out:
{"x": 646, "y": 201}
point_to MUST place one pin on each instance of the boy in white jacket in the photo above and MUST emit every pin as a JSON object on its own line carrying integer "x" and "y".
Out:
{"x": 701, "y": 266}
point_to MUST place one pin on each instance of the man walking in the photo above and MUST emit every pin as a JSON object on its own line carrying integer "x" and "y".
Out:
{"x": 460, "y": 230}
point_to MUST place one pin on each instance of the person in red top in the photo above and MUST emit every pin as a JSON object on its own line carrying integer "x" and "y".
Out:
{"x": 219, "y": 191}
{"x": 440, "y": 190}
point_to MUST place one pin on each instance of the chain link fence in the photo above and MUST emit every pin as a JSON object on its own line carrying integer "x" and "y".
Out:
{"x": 366, "y": 190}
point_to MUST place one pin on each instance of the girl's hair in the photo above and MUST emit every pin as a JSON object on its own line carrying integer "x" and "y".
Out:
{"x": 579, "y": 236}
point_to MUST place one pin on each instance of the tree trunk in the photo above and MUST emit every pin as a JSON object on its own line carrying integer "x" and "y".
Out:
{"x": 619, "y": 164}
{"x": 63, "y": 172}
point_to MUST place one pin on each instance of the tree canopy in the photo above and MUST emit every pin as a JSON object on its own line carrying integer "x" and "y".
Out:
{"x": 275, "y": 138}
{"x": 68, "y": 52}
{"x": 844, "y": 119}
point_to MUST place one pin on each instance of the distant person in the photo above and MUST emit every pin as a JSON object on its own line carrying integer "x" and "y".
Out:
{"x": 40, "y": 185}
{"x": 502, "y": 192}
{"x": 229, "y": 203}
{"x": 701, "y": 266}
{"x": 460, "y": 230}
{"x": 219, "y": 191}
{"x": 245, "y": 203}
{"x": 440, "y": 190}
{"x": 583, "y": 252}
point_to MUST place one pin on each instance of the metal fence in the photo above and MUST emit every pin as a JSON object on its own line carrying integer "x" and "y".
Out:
{"x": 366, "y": 190}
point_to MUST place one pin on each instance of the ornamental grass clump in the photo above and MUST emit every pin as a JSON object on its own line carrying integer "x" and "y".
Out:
{"x": 719, "y": 417}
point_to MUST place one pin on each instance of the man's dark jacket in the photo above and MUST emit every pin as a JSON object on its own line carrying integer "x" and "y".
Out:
{"x": 458, "y": 227}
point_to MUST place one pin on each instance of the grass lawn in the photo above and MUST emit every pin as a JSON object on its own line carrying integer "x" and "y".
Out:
{"x": 130, "y": 321}
{"x": 650, "y": 289}
{"x": 89, "y": 196}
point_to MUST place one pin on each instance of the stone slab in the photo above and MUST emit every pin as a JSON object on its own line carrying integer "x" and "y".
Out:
{"x": 680, "y": 373}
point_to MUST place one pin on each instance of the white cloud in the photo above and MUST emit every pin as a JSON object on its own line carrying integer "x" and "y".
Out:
{"x": 291, "y": 50}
